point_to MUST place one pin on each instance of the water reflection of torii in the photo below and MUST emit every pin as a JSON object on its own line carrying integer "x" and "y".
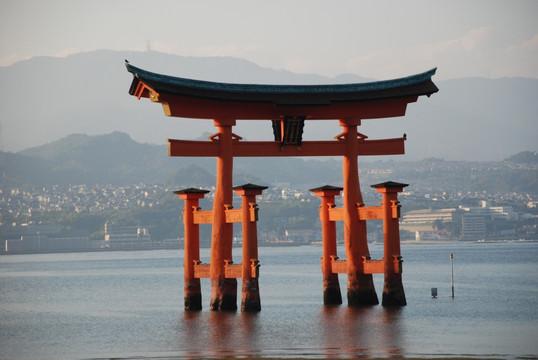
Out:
{"x": 288, "y": 107}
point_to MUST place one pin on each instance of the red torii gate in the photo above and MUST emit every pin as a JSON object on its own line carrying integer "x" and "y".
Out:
{"x": 288, "y": 107}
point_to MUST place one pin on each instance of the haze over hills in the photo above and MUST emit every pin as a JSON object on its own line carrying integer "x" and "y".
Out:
{"x": 116, "y": 159}
{"x": 45, "y": 99}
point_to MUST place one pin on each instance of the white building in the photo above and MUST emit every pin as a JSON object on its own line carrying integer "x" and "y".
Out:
{"x": 427, "y": 216}
{"x": 493, "y": 212}
{"x": 126, "y": 236}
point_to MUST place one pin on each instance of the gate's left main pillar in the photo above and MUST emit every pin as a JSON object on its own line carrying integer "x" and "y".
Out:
{"x": 223, "y": 290}
{"x": 360, "y": 286}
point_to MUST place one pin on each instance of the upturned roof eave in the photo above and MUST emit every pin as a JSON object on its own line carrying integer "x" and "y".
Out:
{"x": 415, "y": 85}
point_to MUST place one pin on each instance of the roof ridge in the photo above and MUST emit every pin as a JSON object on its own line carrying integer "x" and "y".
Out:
{"x": 282, "y": 88}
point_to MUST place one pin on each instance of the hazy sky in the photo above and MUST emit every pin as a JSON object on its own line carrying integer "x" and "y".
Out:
{"x": 378, "y": 39}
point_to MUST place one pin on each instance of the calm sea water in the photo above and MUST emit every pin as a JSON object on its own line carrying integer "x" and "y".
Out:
{"x": 130, "y": 305}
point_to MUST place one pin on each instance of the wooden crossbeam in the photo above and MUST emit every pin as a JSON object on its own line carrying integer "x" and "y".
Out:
{"x": 373, "y": 266}
{"x": 201, "y": 270}
{"x": 369, "y": 266}
{"x": 191, "y": 148}
{"x": 363, "y": 212}
{"x": 231, "y": 270}
{"x": 232, "y": 215}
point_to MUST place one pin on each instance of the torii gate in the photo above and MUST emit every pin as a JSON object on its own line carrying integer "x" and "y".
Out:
{"x": 288, "y": 107}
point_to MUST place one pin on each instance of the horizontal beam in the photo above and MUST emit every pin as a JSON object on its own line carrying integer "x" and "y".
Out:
{"x": 368, "y": 266}
{"x": 232, "y": 216}
{"x": 198, "y": 108}
{"x": 339, "y": 266}
{"x": 190, "y": 148}
{"x": 231, "y": 270}
{"x": 201, "y": 270}
{"x": 364, "y": 213}
{"x": 370, "y": 212}
{"x": 373, "y": 266}
{"x": 203, "y": 216}
{"x": 234, "y": 271}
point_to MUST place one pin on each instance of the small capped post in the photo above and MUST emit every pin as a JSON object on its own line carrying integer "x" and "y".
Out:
{"x": 192, "y": 290}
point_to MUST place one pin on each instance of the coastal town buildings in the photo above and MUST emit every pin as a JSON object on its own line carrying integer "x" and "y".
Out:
{"x": 446, "y": 215}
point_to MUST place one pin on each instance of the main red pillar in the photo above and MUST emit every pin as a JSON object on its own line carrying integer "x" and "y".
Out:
{"x": 250, "y": 291}
{"x": 360, "y": 286}
{"x": 223, "y": 290}
{"x": 393, "y": 291}
{"x": 331, "y": 286}
{"x": 192, "y": 291}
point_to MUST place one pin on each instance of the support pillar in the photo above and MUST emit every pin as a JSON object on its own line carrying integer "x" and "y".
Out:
{"x": 331, "y": 286}
{"x": 393, "y": 292}
{"x": 192, "y": 290}
{"x": 223, "y": 290}
{"x": 250, "y": 291}
{"x": 360, "y": 288}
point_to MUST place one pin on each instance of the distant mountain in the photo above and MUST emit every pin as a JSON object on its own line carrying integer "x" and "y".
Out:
{"x": 525, "y": 157}
{"x": 117, "y": 159}
{"x": 83, "y": 159}
{"x": 108, "y": 159}
{"x": 45, "y": 99}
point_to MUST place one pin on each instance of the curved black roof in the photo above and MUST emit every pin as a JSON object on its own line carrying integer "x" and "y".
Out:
{"x": 415, "y": 85}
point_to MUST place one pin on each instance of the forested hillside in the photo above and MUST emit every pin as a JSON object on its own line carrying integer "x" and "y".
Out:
{"x": 116, "y": 159}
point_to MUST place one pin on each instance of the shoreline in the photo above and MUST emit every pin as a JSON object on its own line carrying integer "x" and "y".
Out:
{"x": 403, "y": 242}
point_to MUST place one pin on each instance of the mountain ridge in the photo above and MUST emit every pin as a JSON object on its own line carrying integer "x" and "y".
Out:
{"x": 46, "y": 98}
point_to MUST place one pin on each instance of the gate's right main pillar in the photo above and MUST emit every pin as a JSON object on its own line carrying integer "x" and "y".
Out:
{"x": 360, "y": 286}
{"x": 393, "y": 291}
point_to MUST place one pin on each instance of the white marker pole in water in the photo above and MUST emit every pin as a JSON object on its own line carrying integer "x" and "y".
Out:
{"x": 452, "y": 271}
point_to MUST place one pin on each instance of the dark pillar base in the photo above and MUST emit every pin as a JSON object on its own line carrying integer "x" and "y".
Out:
{"x": 223, "y": 295}
{"x": 250, "y": 296}
{"x": 251, "y": 305}
{"x": 361, "y": 290}
{"x": 393, "y": 294}
{"x": 332, "y": 296}
{"x": 193, "y": 295}
{"x": 331, "y": 291}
